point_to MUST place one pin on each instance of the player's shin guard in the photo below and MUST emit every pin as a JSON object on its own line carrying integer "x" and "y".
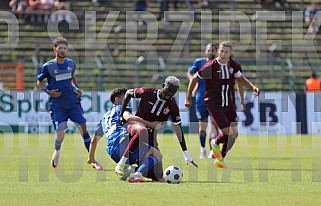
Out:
{"x": 147, "y": 164}
{"x": 156, "y": 173}
{"x": 87, "y": 140}
{"x": 57, "y": 144}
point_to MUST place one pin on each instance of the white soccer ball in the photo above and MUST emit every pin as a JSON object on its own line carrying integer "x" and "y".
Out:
{"x": 173, "y": 175}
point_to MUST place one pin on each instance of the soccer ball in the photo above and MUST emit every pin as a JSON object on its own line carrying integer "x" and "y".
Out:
{"x": 173, "y": 175}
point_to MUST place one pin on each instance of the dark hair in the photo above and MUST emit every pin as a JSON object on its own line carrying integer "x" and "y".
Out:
{"x": 314, "y": 75}
{"x": 116, "y": 93}
{"x": 212, "y": 45}
{"x": 60, "y": 40}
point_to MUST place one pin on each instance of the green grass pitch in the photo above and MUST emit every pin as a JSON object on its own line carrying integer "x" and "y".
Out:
{"x": 262, "y": 170}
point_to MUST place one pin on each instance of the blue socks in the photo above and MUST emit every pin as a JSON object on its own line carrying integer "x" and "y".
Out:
{"x": 147, "y": 164}
{"x": 87, "y": 140}
{"x": 57, "y": 144}
{"x": 203, "y": 140}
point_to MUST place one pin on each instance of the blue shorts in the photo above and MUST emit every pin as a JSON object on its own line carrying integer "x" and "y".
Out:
{"x": 61, "y": 114}
{"x": 201, "y": 111}
{"x": 135, "y": 157}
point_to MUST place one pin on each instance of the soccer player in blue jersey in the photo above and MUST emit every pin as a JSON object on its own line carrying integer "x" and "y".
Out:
{"x": 64, "y": 96}
{"x": 118, "y": 137}
{"x": 200, "y": 108}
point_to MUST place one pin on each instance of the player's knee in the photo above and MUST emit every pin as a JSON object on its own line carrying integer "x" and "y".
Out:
{"x": 60, "y": 135}
{"x": 227, "y": 131}
{"x": 202, "y": 132}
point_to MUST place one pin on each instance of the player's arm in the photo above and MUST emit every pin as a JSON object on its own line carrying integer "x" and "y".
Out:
{"x": 189, "y": 75}
{"x": 75, "y": 85}
{"x": 240, "y": 91}
{"x": 132, "y": 118}
{"x": 41, "y": 76}
{"x": 92, "y": 149}
{"x": 42, "y": 85}
{"x": 182, "y": 142}
{"x": 191, "y": 86}
{"x": 247, "y": 83}
{"x": 128, "y": 96}
{"x": 180, "y": 136}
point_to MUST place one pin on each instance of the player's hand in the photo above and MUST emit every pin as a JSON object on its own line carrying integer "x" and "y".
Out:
{"x": 122, "y": 120}
{"x": 188, "y": 102}
{"x": 243, "y": 108}
{"x": 188, "y": 159}
{"x": 256, "y": 91}
{"x": 79, "y": 92}
{"x": 157, "y": 125}
{"x": 54, "y": 93}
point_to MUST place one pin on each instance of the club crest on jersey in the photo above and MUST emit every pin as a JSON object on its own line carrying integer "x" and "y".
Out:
{"x": 231, "y": 70}
{"x": 166, "y": 110}
{"x": 69, "y": 69}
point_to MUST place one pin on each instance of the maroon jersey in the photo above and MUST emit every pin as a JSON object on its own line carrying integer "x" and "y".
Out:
{"x": 220, "y": 81}
{"x": 153, "y": 108}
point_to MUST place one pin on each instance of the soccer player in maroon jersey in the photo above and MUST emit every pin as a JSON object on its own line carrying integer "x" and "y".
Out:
{"x": 220, "y": 75}
{"x": 158, "y": 105}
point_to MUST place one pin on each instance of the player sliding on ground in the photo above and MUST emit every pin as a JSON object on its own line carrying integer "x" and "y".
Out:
{"x": 158, "y": 105}
{"x": 118, "y": 138}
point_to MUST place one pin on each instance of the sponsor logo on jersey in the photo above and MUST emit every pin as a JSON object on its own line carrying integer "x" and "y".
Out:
{"x": 166, "y": 110}
{"x": 61, "y": 77}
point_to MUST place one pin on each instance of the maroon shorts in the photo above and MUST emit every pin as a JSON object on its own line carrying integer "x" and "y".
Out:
{"x": 223, "y": 116}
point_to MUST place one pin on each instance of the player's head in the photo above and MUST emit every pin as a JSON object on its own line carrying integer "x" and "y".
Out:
{"x": 117, "y": 95}
{"x": 210, "y": 51}
{"x": 314, "y": 75}
{"x": 170, "y": 87}
{"x": 225, "y": 51}
{"x": 60, "y": 47}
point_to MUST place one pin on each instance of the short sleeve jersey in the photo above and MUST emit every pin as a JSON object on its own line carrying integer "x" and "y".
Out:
{"x": 195, "y": 67}
{"x": 220, "y": 81}
{"x": 153, "y": 108}
{"x": 112, "y": 127}
{"x": 59, "y": 76}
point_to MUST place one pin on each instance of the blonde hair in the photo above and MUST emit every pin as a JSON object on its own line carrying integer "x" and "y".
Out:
{"x": 172, "y": 80}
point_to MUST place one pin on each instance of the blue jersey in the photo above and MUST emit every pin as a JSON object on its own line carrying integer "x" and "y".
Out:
{"x": 113, "y": 128}
{"x": 59, "y": 76}
{"x": 196, "y": 66}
